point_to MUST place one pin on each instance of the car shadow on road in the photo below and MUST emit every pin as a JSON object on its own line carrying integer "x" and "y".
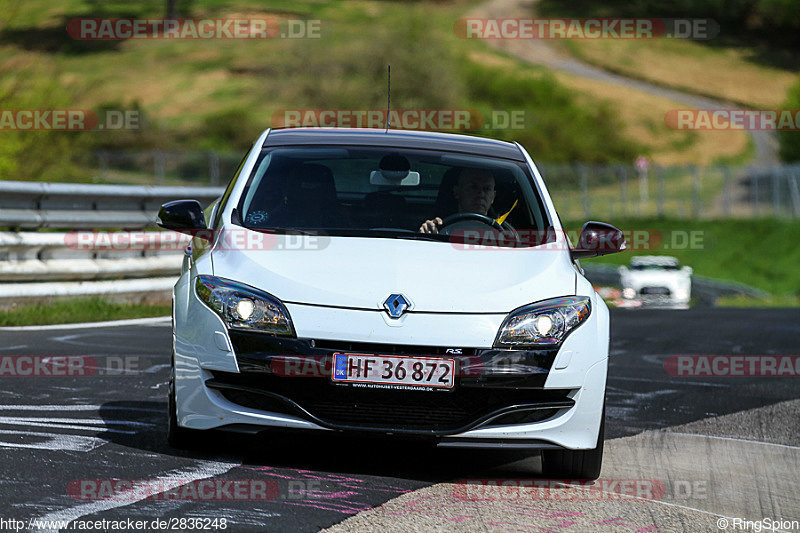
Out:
{"x": 362, "y": 454}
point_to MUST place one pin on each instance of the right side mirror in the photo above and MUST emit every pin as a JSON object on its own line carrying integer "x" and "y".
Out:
{"x": 598, "y": 238}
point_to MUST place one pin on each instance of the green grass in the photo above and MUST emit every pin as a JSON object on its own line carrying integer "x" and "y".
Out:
{"x": 759, "y": 253}
{"x": 609, "y": 196}
{"x": 78, "y": 310}
{"x": 741, "y": 300}
{"x": 752, "y": 63}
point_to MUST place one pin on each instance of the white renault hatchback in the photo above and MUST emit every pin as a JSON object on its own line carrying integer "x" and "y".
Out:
{"x": 391, "y": 282}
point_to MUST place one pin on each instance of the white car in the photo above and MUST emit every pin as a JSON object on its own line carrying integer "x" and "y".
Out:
{"x": 657, "y": 280}
{"x": 391, "y": 282}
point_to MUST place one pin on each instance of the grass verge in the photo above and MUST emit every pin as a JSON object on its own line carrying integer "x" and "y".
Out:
{"x": 748, "y": 71}
{"x": 78, "y": 310}
{"x": 760, "y": 253}
{"x": 742, "y": 300}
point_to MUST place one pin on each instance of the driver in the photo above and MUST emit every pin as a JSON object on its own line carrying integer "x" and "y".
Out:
{"x": 474, "y": 192}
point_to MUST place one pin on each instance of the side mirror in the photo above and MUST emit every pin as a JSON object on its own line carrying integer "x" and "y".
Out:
{"x": 184, "y": 216}
{"x": 598, "y": 238}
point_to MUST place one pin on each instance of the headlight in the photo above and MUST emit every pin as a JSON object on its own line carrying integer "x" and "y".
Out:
{"x": 244, "y": 307}
{"x": 544, "y": 323}
{"x": 628, "y": 293}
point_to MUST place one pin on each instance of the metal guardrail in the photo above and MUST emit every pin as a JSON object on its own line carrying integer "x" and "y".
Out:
{"x": 44, "y": 264}
{"x": 34, "y": 205}
{"x": 37, "y": 265}
{"x": 85, "y": 255}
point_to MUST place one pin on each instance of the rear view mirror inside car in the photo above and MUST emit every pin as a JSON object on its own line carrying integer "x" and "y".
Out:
{"x": 394, "y": 177}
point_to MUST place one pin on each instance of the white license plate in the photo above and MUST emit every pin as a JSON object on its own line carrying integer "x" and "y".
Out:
{"x": 390, "y": 369}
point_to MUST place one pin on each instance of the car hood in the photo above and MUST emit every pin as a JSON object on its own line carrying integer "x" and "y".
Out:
{"x": 360, "y": 272}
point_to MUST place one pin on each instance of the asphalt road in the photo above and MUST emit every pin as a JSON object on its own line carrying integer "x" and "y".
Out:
{"x": 58, "y": 432}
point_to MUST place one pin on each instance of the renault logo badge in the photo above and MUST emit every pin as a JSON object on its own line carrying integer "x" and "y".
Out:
{"x": 396, "y": 305}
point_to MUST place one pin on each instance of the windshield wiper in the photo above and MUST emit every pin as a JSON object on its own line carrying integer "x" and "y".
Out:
{"x": 420, "y": 237}
{"x": 286, "y": 231}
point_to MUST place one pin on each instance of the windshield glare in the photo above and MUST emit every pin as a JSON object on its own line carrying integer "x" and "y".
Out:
{"x": 386, "y": 192}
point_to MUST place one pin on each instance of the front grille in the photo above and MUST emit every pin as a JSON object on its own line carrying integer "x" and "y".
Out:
{"x": 655, "y": 291}
{"x": 387, "y": 349}
{"x": 344, "y": 406}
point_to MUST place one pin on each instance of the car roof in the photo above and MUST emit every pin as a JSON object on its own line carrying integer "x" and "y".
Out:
{"x": 425, "y": 140}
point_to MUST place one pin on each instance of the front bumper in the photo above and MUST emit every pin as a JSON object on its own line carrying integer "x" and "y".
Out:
{"x": 515, "y": 398}
{"x": 293, "y": 377}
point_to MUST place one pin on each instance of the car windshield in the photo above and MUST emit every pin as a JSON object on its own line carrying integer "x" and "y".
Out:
{"x": 386, "y": 192}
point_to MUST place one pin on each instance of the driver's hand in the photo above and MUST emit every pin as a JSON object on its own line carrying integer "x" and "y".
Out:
{"x": 431, "y": 226}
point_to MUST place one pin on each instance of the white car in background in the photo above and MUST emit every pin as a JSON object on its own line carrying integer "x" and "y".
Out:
{"x": 657, "y": 280}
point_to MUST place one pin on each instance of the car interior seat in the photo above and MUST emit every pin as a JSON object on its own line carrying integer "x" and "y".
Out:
{"x": 385, "y": 209}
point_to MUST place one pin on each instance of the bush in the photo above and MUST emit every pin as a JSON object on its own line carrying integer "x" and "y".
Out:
{"x": 557, "y": 129}
{"x": 790, "y": 140}
{"x": 775, "y": 21}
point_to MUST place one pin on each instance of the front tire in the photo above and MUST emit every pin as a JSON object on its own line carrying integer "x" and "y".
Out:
{"x": 575, "y": 464}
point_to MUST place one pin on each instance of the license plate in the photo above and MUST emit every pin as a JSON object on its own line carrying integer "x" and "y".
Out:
{"x": 391, "y": 369}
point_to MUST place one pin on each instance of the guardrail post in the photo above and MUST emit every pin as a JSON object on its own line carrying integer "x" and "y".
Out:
{"x": 213, "y": 168}
{"x": 661, "y": 190}
{"x": 159, "y": 164}
{"x": 776, "y": 190}
{"x": 695, "y": 191}
{"x": 754, "y": 180}
{"x": 102, "y": 164}
{"x": 644, "y": 195}
{"x": 726, "y": 192}
{"x": 623, "y": 175}
{"x": 795, "y": 192}
{"x": 584, "y": 176}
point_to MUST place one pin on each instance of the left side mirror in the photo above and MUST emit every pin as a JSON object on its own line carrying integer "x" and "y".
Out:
{"x": 598, "y": 238}
{"x": 184, "y": 216}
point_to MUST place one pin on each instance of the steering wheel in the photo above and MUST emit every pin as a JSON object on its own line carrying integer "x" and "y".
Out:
{"x": 460, "y": 217}
{"x": 492, "y": 223}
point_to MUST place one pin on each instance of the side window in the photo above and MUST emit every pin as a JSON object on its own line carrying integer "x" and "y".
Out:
{"x": 224, "y": 200}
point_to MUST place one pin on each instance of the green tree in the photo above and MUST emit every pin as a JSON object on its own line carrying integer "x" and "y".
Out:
{"x": 790, "y": 140}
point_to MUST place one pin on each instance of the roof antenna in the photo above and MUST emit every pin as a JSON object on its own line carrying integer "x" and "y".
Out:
{"x": 388, "y": 97}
